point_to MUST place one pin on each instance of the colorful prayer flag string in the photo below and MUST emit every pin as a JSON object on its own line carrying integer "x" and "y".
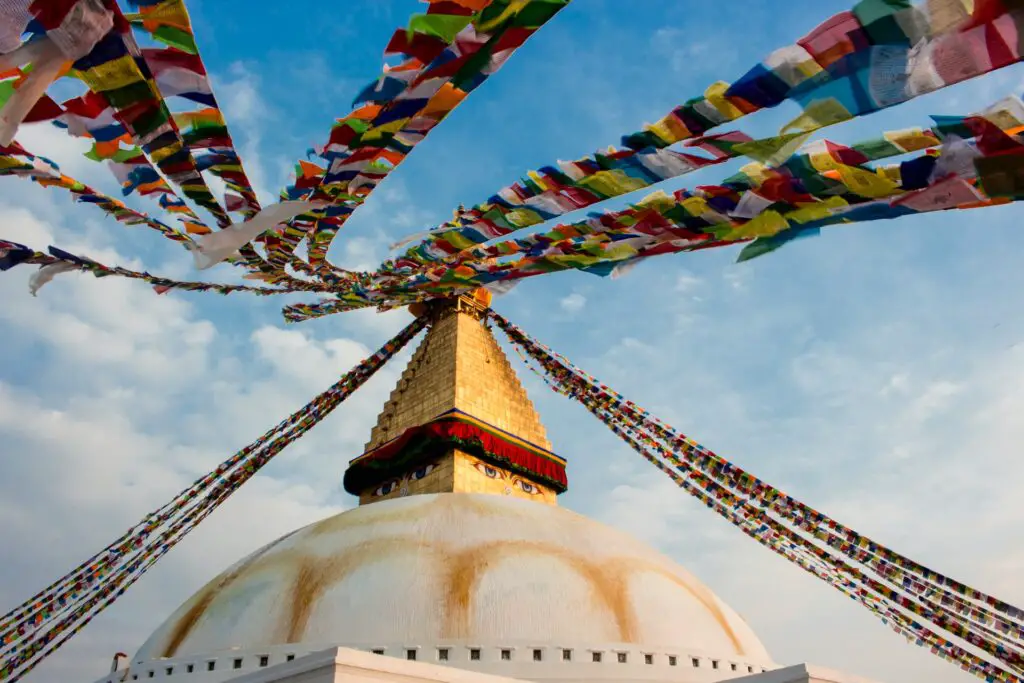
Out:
{"x": 884, "y": 583}
{"x": 450, "y": 51}
{"x": 977, "y": 164}
{"x": 878, "y": 55}
{"x": 178, "y": 71}
{"x": 59, "y": 261}
{"x": 116, "y": 71}
{"x": 38, "y": 627}
{"x": 16, "y": 161}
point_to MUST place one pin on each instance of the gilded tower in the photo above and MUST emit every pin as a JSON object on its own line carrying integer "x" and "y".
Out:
{"x": 457, "y": 555}
{"x": 459, "y": 421}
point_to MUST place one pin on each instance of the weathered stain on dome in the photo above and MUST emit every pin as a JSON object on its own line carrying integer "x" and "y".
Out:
{"x": 457, "y": 565}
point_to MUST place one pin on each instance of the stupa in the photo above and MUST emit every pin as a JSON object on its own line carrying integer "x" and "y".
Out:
{"x": 458, "y": 563}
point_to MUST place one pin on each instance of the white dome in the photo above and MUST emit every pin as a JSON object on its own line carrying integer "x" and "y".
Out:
{"x": 466, "y": 571}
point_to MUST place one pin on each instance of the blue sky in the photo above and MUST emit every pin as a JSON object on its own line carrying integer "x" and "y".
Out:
{"x": 875, "y": 372}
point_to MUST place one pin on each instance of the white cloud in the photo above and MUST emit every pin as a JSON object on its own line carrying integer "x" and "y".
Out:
{"x": 113, "y": 399}
{"x": 248, "y": 115}
{"x": 944, "y": 502}
{"x": 292, "y": 353}
{"x": 687, "y": 283}
{"x": 847, "y": 386}
{"x": 685, "y": 51}
{"x": 861, "y": 371}
{"x": 573, "y": 303}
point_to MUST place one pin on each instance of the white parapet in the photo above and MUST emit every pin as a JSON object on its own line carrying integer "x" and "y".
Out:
{"x": 803, "y": 673}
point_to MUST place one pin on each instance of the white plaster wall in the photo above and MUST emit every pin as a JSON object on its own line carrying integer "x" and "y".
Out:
{"x": 520, "y": 664}
{"x": 393, "y": 571}
{"x": 341, "y": 665}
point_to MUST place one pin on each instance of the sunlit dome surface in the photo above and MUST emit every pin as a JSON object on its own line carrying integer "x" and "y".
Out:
{"x": 457, "y": 568}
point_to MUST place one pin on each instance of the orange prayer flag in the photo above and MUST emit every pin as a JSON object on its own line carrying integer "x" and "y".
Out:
{"x": 443, "y": 101}
{"x": 54, "y": 182}
{"x": 411, "y": 64}
{"x": 994, "y": 201}
{"x": 394, "y": 156}
{"x": 309, "y": 169}
{"x": 148, "y": 188}
{"x": 367, "y": 112}
{"x": 196, "y": 229}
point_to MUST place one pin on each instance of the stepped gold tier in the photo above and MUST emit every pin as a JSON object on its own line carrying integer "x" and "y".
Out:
{"x": 458, "y": 564}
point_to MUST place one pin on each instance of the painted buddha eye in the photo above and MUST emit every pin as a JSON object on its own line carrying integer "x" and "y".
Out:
{"x": 385, "y": 489}
{"x": 527, "y": 487}
{"x": 422, "y": 472}
{"x": 487, "y": 470}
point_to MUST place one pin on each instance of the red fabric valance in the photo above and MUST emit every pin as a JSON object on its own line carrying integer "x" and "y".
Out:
{"x": 454, "y": 430}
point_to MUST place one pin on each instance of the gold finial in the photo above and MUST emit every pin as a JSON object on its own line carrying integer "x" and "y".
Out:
{"x": 475, "y": 302}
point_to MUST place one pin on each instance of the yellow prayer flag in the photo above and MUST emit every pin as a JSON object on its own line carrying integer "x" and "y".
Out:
{"x": 192, "y": 118}
{"x": 167, "y": 13}
{"x": 612, "y": 183}
{"x": 536, "y": 178}
{"x": 912, "y": 139}
{"x": 387, "y": 128}
{"x": 670, "y": 129}
{"x": 10, "y": 162}
{"x": 522, "y": 218}
{"x": 818, "y": 114}
{"x": 617, "y": 251}
{"x": 658, "y": 200}
{"x": 757, "y": 172}
{"x": 158, "y": 155}
{"x": 773, "y": 151}
{"x": 715, "y": 95}
{"x": 765, "y": 224}
{"x": 816, "y": 211}
{"x": 891, "y": 173}
{"x": 866, "y": 183}
{"x": 457, "y": 239}
{"x": 822, "y": 160}
{"x": 695, "y": 206}
{"x": 117, "y": 73}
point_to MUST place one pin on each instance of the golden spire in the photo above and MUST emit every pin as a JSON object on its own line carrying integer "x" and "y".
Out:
{"x": 458, "y": 420}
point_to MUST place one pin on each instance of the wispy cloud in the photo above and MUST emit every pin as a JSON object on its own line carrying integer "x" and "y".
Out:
{"x": 573, "y": 303}
{"x": 876, "y": 372}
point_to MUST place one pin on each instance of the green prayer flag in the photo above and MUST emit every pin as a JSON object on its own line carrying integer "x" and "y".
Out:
{"x": 879, "y": 148}
{"x": 120, "y": 156}
{"x": 880, "y": 19}
{"x": 175, "y": 37}
{"x": 1001, "y": 175}
{"x": 6, "y": 90}
{"x": 442, "y": 26}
